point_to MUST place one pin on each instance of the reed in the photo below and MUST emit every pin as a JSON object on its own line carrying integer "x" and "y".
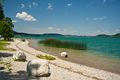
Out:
{"x": 63, "y": 44}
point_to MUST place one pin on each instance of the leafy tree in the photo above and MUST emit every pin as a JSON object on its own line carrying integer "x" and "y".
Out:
{"x": 6, "y": 28}
{"x": 6, "y": 24}
{"x": 1, "y": 10}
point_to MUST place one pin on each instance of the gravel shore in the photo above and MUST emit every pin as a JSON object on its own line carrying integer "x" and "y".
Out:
{"x": 60, "y": 69}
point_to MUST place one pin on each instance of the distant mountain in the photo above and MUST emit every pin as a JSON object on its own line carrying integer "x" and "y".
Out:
{"x": 105, "y": 35}
{"x": 35, "y": 35}
{"x": 56, "y": 34}
{"x": 116, "y": 35}
{"x": 52, "y": 34}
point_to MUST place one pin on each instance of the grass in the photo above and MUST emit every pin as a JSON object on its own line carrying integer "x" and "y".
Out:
{"x": 3, "y": 44}
{"x": 24, "y": 60}
{"x": 63, "y": 44}
{"x": 7, "y": 65}
{"x": 47, "y": 57}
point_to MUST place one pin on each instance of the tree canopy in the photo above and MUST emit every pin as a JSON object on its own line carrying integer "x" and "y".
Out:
{"x": 6, "y": 24}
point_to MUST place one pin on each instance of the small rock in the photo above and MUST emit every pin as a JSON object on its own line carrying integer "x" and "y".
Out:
{"x": 38, "y": 68}
{"x": 20, "y": 56}
{"x": 2, "y": 67}
{"x": 64, "y": 54}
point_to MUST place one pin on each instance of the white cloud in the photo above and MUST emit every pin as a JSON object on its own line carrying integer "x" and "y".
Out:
{"x": 35, "y": 4}
{"x": 14, "y": 21}
{"x": 69, "y": 5}
{"x": 22, "y": 5}
{"x": 102, "y": 32}
{"x": 50, "y": 28}
{"x": 50, "y": 7}
{"x": 100, "y": 18}
{"x": 25, "y": 16}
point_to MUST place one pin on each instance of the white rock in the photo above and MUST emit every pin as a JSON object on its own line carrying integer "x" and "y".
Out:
{"x": 64, "y": 54}
{"x": 19, "y": 56}
{"x": 38, "y": 68}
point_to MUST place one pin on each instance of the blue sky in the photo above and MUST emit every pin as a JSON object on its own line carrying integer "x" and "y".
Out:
{"x": 77, "y": 17}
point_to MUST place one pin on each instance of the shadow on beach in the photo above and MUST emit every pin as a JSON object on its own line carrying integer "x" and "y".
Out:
{"x": 4, "y": 54}
{"x": 20, "y": 75}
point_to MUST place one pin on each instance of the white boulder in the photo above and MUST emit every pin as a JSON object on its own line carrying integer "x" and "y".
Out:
{"x": 20, "y": 56}
{"x": 64, "y": 54}
{"x": 38, "y": 68}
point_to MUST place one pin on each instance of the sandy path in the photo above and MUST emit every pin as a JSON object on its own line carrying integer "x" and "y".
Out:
{"x": 60, "y": 69}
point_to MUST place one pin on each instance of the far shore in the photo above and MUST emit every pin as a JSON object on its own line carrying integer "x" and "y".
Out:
{"x": 60, "y": 69}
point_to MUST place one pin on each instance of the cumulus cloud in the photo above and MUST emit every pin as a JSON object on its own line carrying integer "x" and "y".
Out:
{"x": 61, "y": 30}
{"x": 100, "y": 18}
{"x": 22, "y": 5}
{"x": 14, "y": 21}
{"x": 50, "y": 7}
{"x": 69, "y": 5}
{"x": 25, "y": 16}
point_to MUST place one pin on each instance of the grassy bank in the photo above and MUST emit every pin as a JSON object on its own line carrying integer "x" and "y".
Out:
{"x": 63, "y": 44}
{"x": 3, "y": 44}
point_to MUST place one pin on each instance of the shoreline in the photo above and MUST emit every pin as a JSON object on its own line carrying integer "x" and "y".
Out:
{"x": 60, "y": 69}
{"x": 80, "y": 57}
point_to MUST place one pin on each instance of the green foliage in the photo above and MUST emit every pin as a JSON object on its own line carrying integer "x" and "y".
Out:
{"x": 47, "y": 57}
{"x": 63, "y": 44}
{"x": 6, "y": 28}
{"x": 1, "y": 10}
{"x": 6, "y": 24}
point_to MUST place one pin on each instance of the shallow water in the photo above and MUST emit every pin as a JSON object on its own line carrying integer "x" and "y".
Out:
{"x": 100, "y": 53}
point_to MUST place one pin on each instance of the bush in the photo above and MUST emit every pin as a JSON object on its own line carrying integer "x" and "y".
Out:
{"x": 47, "y": 57}
{"x": 63, "y": 44}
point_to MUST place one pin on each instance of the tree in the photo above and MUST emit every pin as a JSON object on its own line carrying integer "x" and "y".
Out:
{"x": 1, "y": 10}
{"x": 6, "y": 28}
{"x": 6, "y": 24}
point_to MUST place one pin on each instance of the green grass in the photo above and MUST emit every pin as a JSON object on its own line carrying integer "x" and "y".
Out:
{"x": 63, "y": 44}
{"x": 47, "y": 57}
{"x": 7, "y": 65}
{"x": 3, "y": 44}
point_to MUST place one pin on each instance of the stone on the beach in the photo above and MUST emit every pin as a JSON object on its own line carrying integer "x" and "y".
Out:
{"x": 38, "y": 68}
{"x": 1, "y": 66}
{"x": 64, "y": 54}
{"x": 19, "y": 56}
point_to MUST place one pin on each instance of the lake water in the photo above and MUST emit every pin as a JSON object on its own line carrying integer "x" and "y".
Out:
{"x": 102, "y": 52}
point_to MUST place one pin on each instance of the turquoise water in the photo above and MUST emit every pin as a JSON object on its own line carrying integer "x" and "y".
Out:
{"x": 102, "y": 52}
{"x": 103, "y": 46}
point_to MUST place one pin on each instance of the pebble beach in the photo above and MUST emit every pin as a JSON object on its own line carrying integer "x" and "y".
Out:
{"x": 59, "y": 69}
